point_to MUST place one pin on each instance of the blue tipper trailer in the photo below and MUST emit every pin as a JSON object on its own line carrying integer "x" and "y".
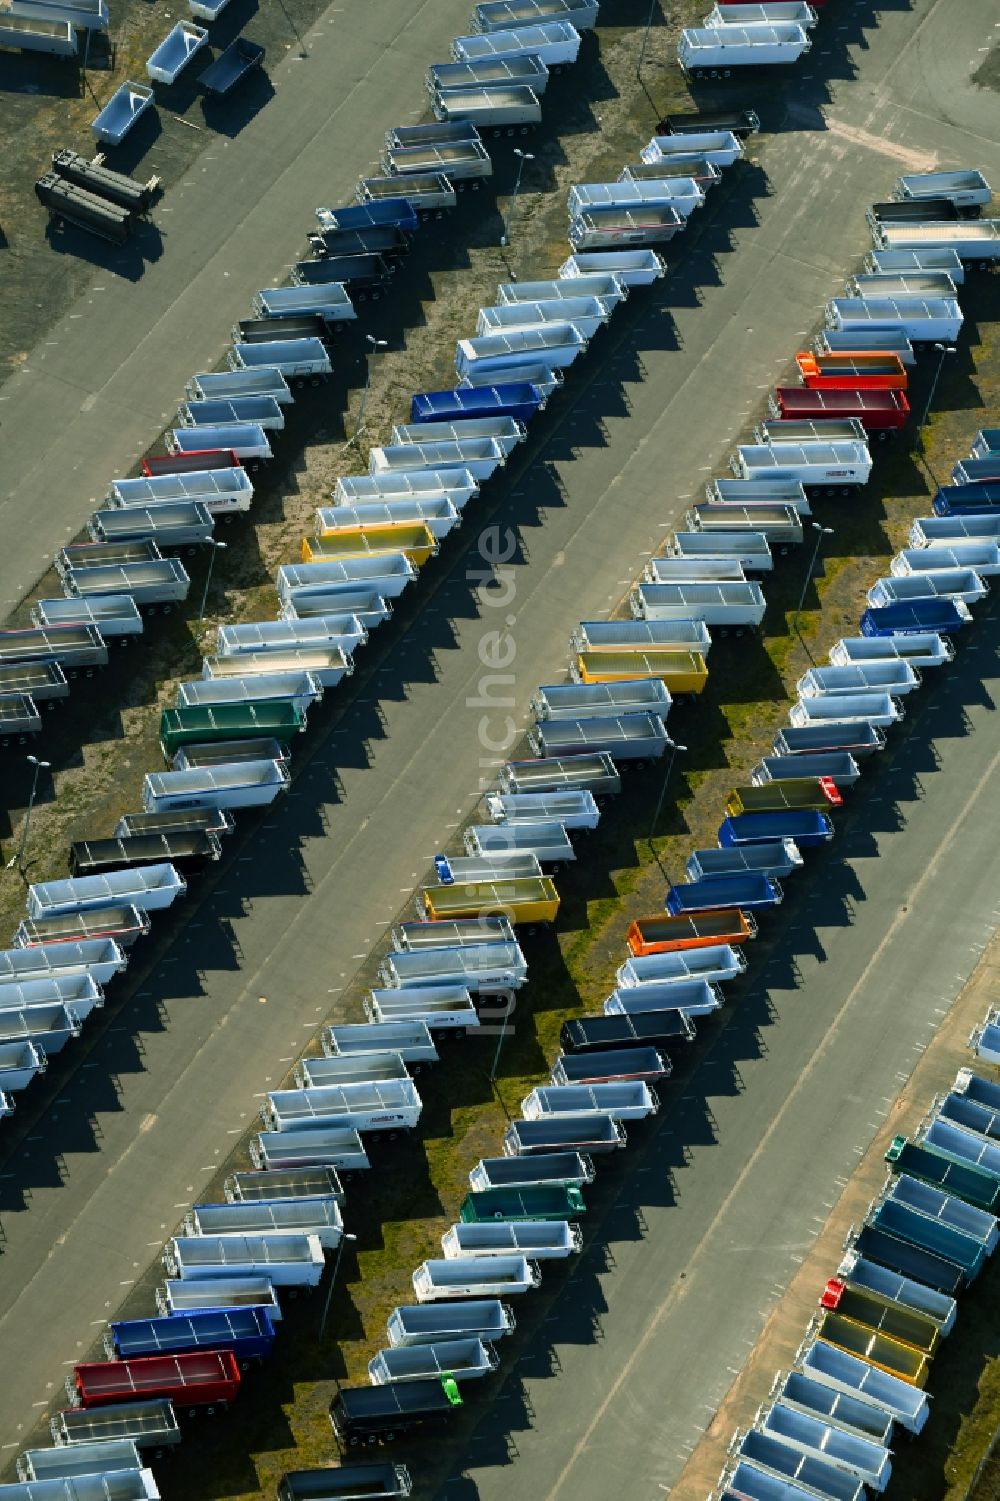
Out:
{"x": 247, "y": 1332}
{"x": 749, "y": 891}
{"x": 518, "y": 399}
{"x": 398, "y": 213}
{"x": 915, "y": 616}
{"x": 807, "y": 827}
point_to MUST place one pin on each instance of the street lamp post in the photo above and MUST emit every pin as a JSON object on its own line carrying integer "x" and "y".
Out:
{"x": 18, "y": 859}
{"x": 943, "y": 350}
{"x": 214, "y": 545}
{"x": 333, "y": 1283}
{"x": 821, "y": 532}
{"x": 522, "y": 157}
{"x": 373, "y": 345}
{"x": 645, "y": 38}
{"x": 674, "y": 748}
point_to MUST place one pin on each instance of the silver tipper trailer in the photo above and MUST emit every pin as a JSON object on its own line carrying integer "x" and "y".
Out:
{"x": 299, "y": 688}
{"x": 897, "y": 283}
{"x": 213, "y": 1293}
{"x": 99, "y": 958}
{"x": 247, "y": 440}
{"x": 574, "y": 810}
{"x": 298, "y": 360}
{"x": 747, "y": 547}
{"x": 98, "y": 1457}
{"x": 411, "y": 1040}
{"x": 879, "y": 709}
{"x": 683, "y": 193}
{"x": 245, "y": 784}
{"x": 368, "y": 1068}
{"x": 699, "y": 571}
{"x": 442, "y": 1008}
{"x": 294, "y": 1260}
{"x": 221, "y": 491}
{"x": 647, "y": 635}
{"x": 590, "y": 1133}
{"x": 481, "y": 967}
{"x": 459, "y": 1359}
{"x": 80, "y": 993}
{"x": 623, "y": 1100}
{"x": 262, "y": 410}
{"x": 227, "y": 385}
{"x": 582, "y": 700}
{"x": 983, "y": 556}
{"x": 151, "y": 1424}
{"x": 460, "y": 932}
{"x": 843, "y": 1372}
{"x": 427, "y": 1324}
{"x": 627, "y": 737}
{"x": 114, "y": 615}
{"x": 802, "y": 1393}
{"x": 735, "y": 607}
{"x": 481, "y": 456}
{"x": 437, "y": 513}
{"x": 595, "y": 284}
{"x": 539, "y": 1240}
{"x": 777, "y": 857}
{"x": 443, "y": 79}
{"x": 164, "y": 583}
{"x": 499, "y": 108}
{"x": 547, "y": 841}
{"x": 836, "y": 467}
{"x": 714, "y": 963}
{"x": 506, "y": 431}
{"x": 693, "y": 997}
{"x": 457, "y": 485}
{"x": 81, "y": 555}
{"x": 35, "y": 33}
{"x": 587, "y": 314}
{"x": 285, "y": 1185}
{"x": 555, "y": 43}
{"x": 148, "y": 887}
{"x": 781, "y": 525}
{"x": 839, "y": 767}
{"x": 327, "y": 664}
{"x": 555, "y": 345}
{"x": 41, "y": 682}
{"x": 439, "y": 1280}
{"x": 797, "y": 430}
{"x": 905, "y": 262}
{"x": 599, "y": 228}
{"x": 339, "y": 1147}
{"x": 499, "y": 15}
{"x": 72, "y": 646}
{"x": 429, "y": 133}
{"x": 522, "y": 373}
{"x": 924, "y": 320}
{"x": 303, "y": 605}
{"x": 586, "y": 771}
{"x": 387, "y": 575}
{"x": 948, "y": 583}
{"x": 712, "y": 51}
{"x": 331, "y": 301}
{"x": 771, "y": 12}
{"x": 316, "y": 1216}
{"x": 720, "y": 147}
{"x": 342, "y": 630}
{"x": 879, "y": 338}
{"x": 896, "y": 677}
{"x": 766, "y": 490}
{"x": 180, "y": 523}
{"x": 370, "y": 1106}
{"x": 633, "y": 268}
{"x": 19, "y": 718}
{"x": 460, "y": 161}
{"x": 570, "y": 1169}
{"x": 965, "y": 187}
{"x": 921, "y": 649}
{"x": 430, "y": 193}
{"x": 117, "y": 1485}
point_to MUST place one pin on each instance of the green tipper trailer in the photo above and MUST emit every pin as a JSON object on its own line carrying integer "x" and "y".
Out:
{"x": 542, "y": 1201}
{"x": 208, "y": 723}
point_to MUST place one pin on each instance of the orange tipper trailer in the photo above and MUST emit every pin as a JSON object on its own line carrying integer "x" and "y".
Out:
{"x": 663, "y": 934}
{"x": 877, "y": 370}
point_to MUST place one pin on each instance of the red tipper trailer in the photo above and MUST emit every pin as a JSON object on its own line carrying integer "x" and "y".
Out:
{"x": 662, "y": 934}
{"x": 189, "y": 463}
{"x": 877, "y": 411}
{"x": 203, "y": 1378}
{"x": 863, "y": 371}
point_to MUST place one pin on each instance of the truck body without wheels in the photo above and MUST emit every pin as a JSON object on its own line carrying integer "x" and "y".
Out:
{"x": 806, "y": 828}
{"x": 908, "y": 617}
{"x": 568, "y": 1169}
{"x": 474, "y": 1277}
{"x": 428, "y": 1323}
{"x": 593, "y": 772}
{"x": 922, "y": 649}
{"x": 759, "y": 1452}
{"x": 962, "y": 584}
{"x": 590, "y": 1133}
{"x": 293, "y": 1260}
{"x": 249, "y": 784}
{"x": 178, "y": 47}
{"x": 714, "y": 51}
{"x": 461, "y": 1359}
{"x": 412, "y": 1040}
{"x": 802, "y": 1394}
{"x": 555, "y": 43}
{"x": 982, "y": 499}
{"x": 839, "y": 767}
{"x": 235, "y": 63}
{"x": 126, "y": 105}
{"x": 923, "y": 320}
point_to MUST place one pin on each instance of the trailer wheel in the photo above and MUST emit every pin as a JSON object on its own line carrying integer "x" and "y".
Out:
{"x": 525, "y": 129}
{"x": 166, "y": 609}
{"x": 474, "y": 186}
{"x": 315, "y": 381}
{"x": 884, "y": 435}
{"x": 459, "y": 1033}
{"x": 983, "y": 265}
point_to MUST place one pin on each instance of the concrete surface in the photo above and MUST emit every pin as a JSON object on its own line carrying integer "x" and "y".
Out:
{"x": 263, "y": 960}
